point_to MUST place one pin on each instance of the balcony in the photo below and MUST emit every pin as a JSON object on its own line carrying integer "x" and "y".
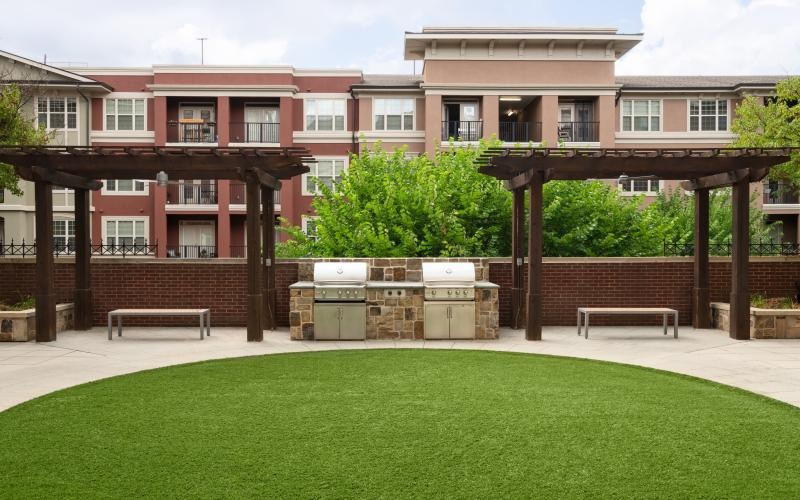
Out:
{"x": 778, "y": 193}
{"x": 239, "y": 194}
{"x": 462, "y": 131}
{"x": 192, "y": 133}
{"x": 578, "y": 131}
{"x": 253, "y": 132}
{"x": 192, "y": 251}
{"x": 521, "y": 132}
{"x": 204, "y": 193}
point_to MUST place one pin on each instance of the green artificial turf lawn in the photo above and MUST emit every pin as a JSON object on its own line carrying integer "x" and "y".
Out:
{"x": 401, "y": 423}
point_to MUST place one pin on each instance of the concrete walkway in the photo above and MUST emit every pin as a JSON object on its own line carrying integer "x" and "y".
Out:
{"x": 28, "y": 370}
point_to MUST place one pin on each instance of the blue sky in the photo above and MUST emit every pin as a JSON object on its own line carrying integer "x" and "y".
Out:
{"x": 681, "y": 36}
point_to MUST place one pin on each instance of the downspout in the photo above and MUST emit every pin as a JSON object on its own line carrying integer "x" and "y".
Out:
{"x": 354, "y": 147}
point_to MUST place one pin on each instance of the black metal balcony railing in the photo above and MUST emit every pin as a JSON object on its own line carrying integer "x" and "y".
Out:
{"x": 579, "y": 131}
{"x": 197, "y": 132}
{"x": 26, "y": 249}
{"x": 192, "y": 251}
{"x": 268, "y": 132}
{"x": 238, "y": 251}
{"x": 520, "y": 131}
{"x": 462, "y": 130}
{"x": 757, "y": 248}
{"x": 204, "y": 193}
{"x": 776, "y": 193}
{"x": 239, "y": 194}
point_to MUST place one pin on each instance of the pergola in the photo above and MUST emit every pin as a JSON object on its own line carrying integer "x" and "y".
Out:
{"x": 78, "y": 168}
{"x": 529, "y": 168}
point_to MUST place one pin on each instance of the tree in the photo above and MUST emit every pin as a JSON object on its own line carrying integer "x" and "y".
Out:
{"x": 388, "y": 204}
{"x": 670, "y": 218}
{"x": 15, "y": 129}
{"x": 773, "y": 124}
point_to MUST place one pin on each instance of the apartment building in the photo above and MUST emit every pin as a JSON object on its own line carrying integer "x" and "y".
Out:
{"x": 540, "y": 86}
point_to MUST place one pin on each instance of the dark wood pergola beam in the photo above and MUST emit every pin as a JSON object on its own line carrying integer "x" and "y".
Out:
{"x": 717, "y": 180}
{"x": 39, "y": 174}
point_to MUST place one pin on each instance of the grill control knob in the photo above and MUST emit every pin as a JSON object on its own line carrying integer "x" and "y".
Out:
{"x": 433, "y": 292}
{"x": 458, "y": 292}
{"x": 340, "y": 293}
{"x": 324, "y": 292}
{"x": 449, "y": 292}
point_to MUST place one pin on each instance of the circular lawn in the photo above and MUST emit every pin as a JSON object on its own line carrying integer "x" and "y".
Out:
{"x": 401, "y": 423}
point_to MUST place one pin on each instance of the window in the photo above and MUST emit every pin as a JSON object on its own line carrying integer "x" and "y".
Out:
{"x": 640, "y": 186}
{"x": 57, "y": 112}
{"x": 325, "y": 171}
{"x": 641, "y": 116}
{"x": 125, "y": 186}
{"x": 393, "y": 114}
{"x": 125, "y": 114}
{"x": 125, "y": 232}
{"x": 64, "y": 236}
{"x": 309, "y": 225}
{"x": 708, "y": 115}
{"x": 325, "y": 114}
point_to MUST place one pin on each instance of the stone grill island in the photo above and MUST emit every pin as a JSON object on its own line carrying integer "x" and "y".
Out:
{"x": 395, "y": 299}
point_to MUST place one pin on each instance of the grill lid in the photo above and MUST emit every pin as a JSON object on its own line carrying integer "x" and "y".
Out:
{"x": 440, "y": 274}
{"x": 340, "y": 273}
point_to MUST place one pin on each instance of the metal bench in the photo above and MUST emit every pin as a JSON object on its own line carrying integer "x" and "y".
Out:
{"x": 203, "y": 314}
{"x": 664, "y": 311}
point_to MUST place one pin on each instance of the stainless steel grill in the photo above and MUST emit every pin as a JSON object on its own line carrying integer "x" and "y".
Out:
{"x": 448, "y": 280}
{"x": 449, "y": 300}
{"x": 340, "y": 309}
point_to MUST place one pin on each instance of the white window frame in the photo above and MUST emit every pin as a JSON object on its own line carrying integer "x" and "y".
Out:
{"x": 67, "y": 233}
{"x": 317, "y": 115}
{"x": 649, "y": 192}
{"x": 304, "y": 225}
{"x": 313, "y": 166}
{"x": 116, "y": 114}
{"x": 65, "y": 113}
{"x": 700, "y": 115}
{"x": 106, "y": 218}
{"x": 402, "y": 115}
{"x": 105, "y": 191}
{"x": 650, "y": 115}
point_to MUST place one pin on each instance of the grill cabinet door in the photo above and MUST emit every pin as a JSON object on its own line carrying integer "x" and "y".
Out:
{"x": 437, "y": 323}
{"x": 462, "y": 320}
{"x": 326, "y": 321}
{"x": 353, "y": 321}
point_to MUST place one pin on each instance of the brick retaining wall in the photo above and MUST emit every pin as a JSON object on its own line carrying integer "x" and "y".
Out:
{"x": 568, "y": 283}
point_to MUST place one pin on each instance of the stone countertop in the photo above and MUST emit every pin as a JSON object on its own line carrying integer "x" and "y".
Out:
{"x": 392, "y": 284}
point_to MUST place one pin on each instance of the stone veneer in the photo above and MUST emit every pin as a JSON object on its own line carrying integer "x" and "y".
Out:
{"x": 20, "y": 326}
{"x": 764, "y": 323}
{"x": 394, "y": 318}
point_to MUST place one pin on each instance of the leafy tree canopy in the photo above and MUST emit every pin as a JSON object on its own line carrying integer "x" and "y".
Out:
{"x": 773, "y": 124}
{"x": 15, "y": 129}
{"x": 392, "y": 205}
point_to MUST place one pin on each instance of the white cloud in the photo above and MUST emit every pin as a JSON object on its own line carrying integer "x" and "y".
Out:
{"x": 182, "y": 46}
{"x": 717, "y": 37}
{"x": 387, "y": 59}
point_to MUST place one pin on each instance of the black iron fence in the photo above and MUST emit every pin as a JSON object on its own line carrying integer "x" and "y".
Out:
{"x": 462, "y": 130}
{"x": 27, "y": 249}
{"x": 780, "y": 193}
{"x": 761, "y": 248}
{"x": 192, "y": 251}
{"x": 193, "y": 132}
{"x": 520, "y": 131}
{"x": 268, "y": 132}
{"x": 579, "y": 131}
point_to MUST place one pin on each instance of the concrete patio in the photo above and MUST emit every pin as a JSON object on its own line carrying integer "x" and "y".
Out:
{"x": 28, "y": 370}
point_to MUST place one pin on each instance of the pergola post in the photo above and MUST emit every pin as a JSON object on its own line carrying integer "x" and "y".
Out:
{"x": 701, "y": 302}
{"x": 268, "y": 257}
{"x": 740, "y": 256}
{"x": 45, "y": 283}
{"x": 517, "y": 252}
{"x": 83, "y": 252}
{"x": 533, "y": 329}
{"x": 255, "y": 299}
